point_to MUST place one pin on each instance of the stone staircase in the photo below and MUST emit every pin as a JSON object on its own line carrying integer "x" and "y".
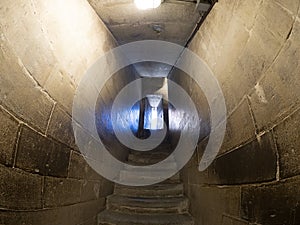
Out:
{"x": 158, "y": 204}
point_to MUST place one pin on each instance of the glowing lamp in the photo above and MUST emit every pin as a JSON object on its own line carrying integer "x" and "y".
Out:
{"x": 147, "y": 4}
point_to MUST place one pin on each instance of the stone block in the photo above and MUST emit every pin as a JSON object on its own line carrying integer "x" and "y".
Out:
{"x": 254, "y": 162}
{"x": 78, "y": 166}
{"x": 227, "y": 69}
{"x": 19, "y": 93}
{"x": 74, "y": 51}
{"x": 72, "y": 215}
{"x": 28, "y": 38}
{"x": 58, "y": 161}
{"x": 208, "y": 204}
{"x": 228, "y": 220}
{"x": 92, "y": 221}
{"x": 289, "y": 5}
{"x": 8, "y": 137}
{"x": 272, "y": 204}
{"x": 287, "y": 139}
{"x": 60, "y": 127}
{"x": 90, "y": 190}
{"x": 38, "y": 154}
{"x": 239, "y": 128}
{"x": 107, "y": 188}
{"x": 80, "y": 169}
{"x": 19, "y": 190}
{"x": 200, "y": 101}
{"x": 276, "y": 19}
{"x": 247, "y": 11}
{"x": 61, "y": 87}
{"x": 58, "y": 192}
{"x": 277, "y": 94}
{"x": 245, "y": 55}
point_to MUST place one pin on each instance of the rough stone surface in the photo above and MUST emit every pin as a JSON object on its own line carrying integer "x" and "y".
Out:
{"x": 8, "y": 137}
{"x": 59, "y": 192}
{"x": 60, "y": 127}
{"x": 277, "y": 94}
{"x": 227, "y": 220}
{"x": 287, "y": 139}
{"x": 272, "y": 204}
{"x": 254, "y": 162}
{"x": 197, "y": 96}
{"x": 78, "y": 38}
{"x": 92, "y": 221}
{"x": 45, "y": 48}
{"x": 107, "y": 188}
{"x": 19, "y": 190}
{"x": 38, "y": 154}
{"x": 26, "y": 100}
{"x": 35, "y": 51}
{"x": 103, "y": 112}
{"x": 239, "y": 128}
{"x": 60, "y": 86}
{"x": 79, "y": 168}
{"x": 191, "y": 174}
{"x": 212, "y": 202}
{"x": 71, "y": 215}
{"x": 253, "y": 51}
{"x": 90, "y": 190}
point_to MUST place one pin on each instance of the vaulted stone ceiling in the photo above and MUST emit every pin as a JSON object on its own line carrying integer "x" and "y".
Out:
{"x": 173, "y": 20}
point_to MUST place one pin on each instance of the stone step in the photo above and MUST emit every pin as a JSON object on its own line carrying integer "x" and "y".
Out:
{"x": 109, "y": 217}
{"x": 128, "y": 176}
{"x": 151, "y": 153}
{"x": 146, "y": 158}
{"x": 147, "y": 205}
{"x": 165, "y": 166}
{"x": 154, "y": 191}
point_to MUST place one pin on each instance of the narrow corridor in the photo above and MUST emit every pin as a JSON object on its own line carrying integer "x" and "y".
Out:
{"x": 149, "y": 112}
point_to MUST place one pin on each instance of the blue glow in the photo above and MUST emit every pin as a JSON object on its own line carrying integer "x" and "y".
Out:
{"x": 134, "y": 117}
{"x": 154, "y": 115}
{"x": 104, "y": 123}
{"x": 175, "y": 117}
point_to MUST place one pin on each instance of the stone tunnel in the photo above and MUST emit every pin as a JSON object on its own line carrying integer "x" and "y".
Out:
{"x": 251, "y": 48}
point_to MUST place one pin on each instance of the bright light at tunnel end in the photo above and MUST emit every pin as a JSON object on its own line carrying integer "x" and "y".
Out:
{"x": 84, "y": 121}
{"x": 147, "y": 4}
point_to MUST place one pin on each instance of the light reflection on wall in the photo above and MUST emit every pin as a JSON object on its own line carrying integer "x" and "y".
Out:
{"x": 128, "y": 114}
{"x": 175, "y": 118}
{"x": 154, "y": 115}
{"x": 104, "y": 123}
{"x": 135, "y": 117}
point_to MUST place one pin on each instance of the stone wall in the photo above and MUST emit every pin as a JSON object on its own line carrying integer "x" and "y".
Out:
{"x": 253, "y": 48}
{"x": 104, "y": 105}
{"x": 45, "y": 47}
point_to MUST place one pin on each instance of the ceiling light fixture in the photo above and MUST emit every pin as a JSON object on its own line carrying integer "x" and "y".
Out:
{"x": 147, "y": 4}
